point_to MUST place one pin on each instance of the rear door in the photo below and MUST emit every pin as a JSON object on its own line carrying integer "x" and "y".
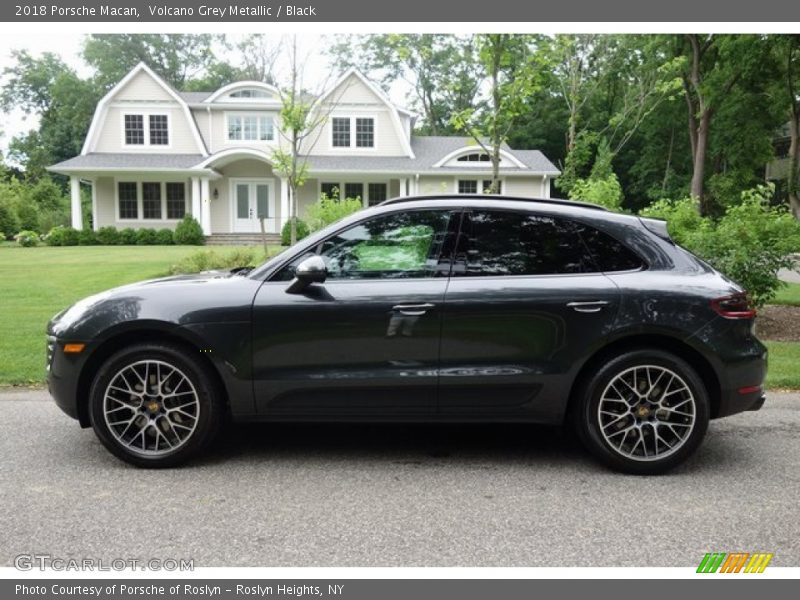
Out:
{"x": 524, "y": 300}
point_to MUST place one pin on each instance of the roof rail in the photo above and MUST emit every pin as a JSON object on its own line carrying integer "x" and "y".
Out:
{"x": 461, "y": 197}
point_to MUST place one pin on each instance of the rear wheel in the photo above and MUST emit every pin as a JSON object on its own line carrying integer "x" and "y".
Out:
{"x": 153, "y": 406}
{"x": 644, "y": 412}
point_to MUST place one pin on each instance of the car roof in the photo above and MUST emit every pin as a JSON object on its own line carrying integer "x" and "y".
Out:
{"x": 493, "y": 198}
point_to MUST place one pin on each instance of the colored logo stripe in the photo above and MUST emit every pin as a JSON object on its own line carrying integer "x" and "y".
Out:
{"x": 734, "y": 562}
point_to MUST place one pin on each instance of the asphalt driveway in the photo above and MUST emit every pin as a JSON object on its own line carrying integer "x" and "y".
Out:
{"x": 369, "y": 495}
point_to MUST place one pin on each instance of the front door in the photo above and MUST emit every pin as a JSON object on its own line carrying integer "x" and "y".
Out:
{"x": 366, "y": 341}
{"x": 251, "y": 201}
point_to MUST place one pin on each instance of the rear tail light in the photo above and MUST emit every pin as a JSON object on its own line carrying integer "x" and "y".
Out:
{"x": 736, "y": 306}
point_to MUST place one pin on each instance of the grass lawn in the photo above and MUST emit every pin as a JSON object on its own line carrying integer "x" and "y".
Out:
{"x": 788, "y": 295}
{"x": 36, "y": 283}
{"x": 784, "y": 365}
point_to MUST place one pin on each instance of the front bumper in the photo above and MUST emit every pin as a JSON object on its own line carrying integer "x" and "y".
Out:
{"x": 63, "y": 375}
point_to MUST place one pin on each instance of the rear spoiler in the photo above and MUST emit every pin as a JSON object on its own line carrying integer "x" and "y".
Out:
{"x": 658, "y": 227}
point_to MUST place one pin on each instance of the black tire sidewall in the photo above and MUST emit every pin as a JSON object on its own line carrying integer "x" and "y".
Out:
{"x": 210, "y": 416}
{"x": 588, "y": 426}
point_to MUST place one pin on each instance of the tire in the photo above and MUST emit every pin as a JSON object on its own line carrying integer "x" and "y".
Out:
{"x": 165, "y": 424}
{"x": 648, "y": 431}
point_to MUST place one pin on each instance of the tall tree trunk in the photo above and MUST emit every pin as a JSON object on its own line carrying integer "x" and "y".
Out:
{"x": 699, "y": 161}
{"x": 669, "y": 160}
{"x": 793, "y": 182}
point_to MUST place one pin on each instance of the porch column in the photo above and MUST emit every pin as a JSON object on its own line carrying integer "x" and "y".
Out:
{"x": 196, "y": 198}
{"x": 545, "y": 187}
{"x": 284, "y": 203}
{"x": 75, "y": 202}
{"x": 94, "y": 205}
{"x": 205, "y": 211}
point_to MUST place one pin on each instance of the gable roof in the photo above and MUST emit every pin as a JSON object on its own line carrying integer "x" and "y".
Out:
{"x": 102, "y": 107}
{"x": 394, "y": 110}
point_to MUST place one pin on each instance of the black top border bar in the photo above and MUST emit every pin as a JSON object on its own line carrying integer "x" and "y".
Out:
{"x": 438, "y": 11}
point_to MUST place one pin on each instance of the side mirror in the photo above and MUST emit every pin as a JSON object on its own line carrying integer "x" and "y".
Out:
{"x": 311, "y": 270}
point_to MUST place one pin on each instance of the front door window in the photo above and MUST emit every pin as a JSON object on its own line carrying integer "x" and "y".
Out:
{"x": 252, "y": 201}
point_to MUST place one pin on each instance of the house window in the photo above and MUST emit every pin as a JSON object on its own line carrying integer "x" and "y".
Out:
{"x": 151, "y": 200}
{"x": 249, "y": 94}
{"x": 150, "y": 130}
{"x": 134, "y": 130}
{"x": 251, "y": 128}
{"x": 341, "y": 132}
{"x": 159, "y": 130}
{"x": 467, "y": 186}
{"x": 331, "y": 190}
{"x": 474, "y": 157}
{"x": 354, "y": 190}
{"x": 365, "y": 132}
{"x": 377, "y": 193}
{"x": 127, "y": 198}
{"x": 176, "y": 200}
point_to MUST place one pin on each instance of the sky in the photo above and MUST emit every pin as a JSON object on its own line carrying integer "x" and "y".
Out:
{"x": 68, "y": 47}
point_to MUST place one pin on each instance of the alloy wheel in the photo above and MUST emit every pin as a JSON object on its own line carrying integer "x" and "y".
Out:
{"x": 647, "y": 413}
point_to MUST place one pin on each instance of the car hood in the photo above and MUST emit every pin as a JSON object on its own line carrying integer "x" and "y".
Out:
{"x": 211, "y": 296}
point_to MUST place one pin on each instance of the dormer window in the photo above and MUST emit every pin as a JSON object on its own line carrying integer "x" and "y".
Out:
{"x": 249, "y": 93}
{"x": 353, "y": 132}
{"x": 251, "y": 127}
{"x": 475, "y": 157}
{"x": 146, "y": 129}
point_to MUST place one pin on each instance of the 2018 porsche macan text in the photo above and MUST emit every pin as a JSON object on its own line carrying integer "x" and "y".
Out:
{"x": 459, "y": 309}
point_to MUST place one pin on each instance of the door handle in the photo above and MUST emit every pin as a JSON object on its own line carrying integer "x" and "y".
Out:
{"x": 413, "y": 310}
{"x": 588, "y": 307}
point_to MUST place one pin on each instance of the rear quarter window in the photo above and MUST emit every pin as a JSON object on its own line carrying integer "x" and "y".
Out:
{"x": 608, "y": 253}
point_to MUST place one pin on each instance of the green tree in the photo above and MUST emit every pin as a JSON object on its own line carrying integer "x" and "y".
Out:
{"x": 512, "y": 72}
{"x": 787, "y": 50}
{"x": 49, "y": 90}
{"x": 300, "y": 127}
{"x": 178, "y": 58}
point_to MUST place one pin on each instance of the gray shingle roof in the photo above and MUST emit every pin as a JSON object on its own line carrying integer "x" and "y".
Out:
{"x": 108, "y": 160}
{"x": 192, "y": 97}
{"x": 428, "y": 150}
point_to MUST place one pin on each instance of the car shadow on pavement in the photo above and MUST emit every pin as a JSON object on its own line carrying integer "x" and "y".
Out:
{"x": 412, "y": 443}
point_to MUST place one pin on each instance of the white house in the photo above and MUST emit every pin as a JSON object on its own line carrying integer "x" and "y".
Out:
{"x": 153, "y": 154}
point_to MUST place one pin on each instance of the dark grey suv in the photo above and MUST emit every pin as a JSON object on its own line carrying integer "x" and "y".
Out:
{"x": 468, "y": 308}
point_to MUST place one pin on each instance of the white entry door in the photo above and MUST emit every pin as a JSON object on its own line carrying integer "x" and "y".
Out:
{"x": 251, "y": 201}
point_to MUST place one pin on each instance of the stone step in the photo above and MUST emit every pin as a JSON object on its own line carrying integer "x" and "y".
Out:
{"x": 240, "y": 239}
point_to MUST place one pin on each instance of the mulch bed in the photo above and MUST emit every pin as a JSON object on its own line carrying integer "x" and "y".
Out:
{"x": 779, "y": 323}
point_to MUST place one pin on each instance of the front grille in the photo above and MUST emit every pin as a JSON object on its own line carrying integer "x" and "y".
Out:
{"x": 51, "y": 350}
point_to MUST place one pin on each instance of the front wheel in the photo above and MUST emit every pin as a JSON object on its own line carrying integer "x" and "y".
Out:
{"x": 152, "y": 405}
{"x": 644, "y": 412}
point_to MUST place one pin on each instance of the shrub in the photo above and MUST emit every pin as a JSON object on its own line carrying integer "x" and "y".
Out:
{"x": 146, "y": 237}
{"x": 28, "y": 216}
{"x": 188, "y": 232}
{"x": 206, "y": 260}
{"x": 127, "y": 236}
{"x": 605, "y": 192}
{"x": 164, "y": 237}
{"x": 27, "y": 238}
{"x": 87, "y": 237}
{"x": 108, "y": 236}
{"x": 62, "y": 236}
{"x": 301, "y": 231}
{"x": 749, "y": 243}
{"x": 329, "y": 210}
{"x": 8, "y": 219}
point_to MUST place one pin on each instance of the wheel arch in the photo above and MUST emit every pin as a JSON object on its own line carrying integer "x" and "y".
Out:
{"x": 659, "y": 341}
{"x": 120, "y": 339}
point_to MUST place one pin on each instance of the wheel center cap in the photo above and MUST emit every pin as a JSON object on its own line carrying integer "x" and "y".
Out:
{"x": 152, "y": 406}
{"x": 643, "y": 411}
